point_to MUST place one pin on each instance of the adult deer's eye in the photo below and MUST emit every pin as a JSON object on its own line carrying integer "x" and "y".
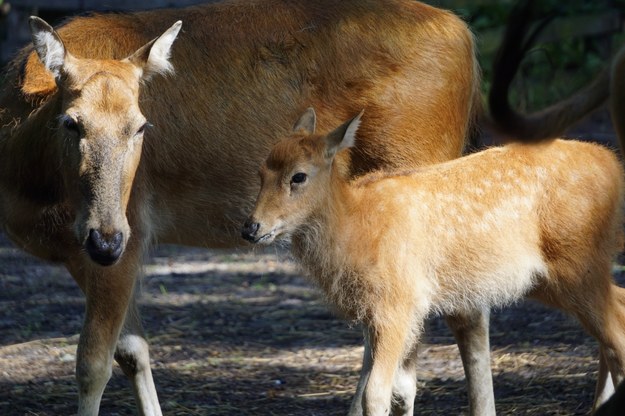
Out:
{"x": 70, "y": 124}
{"x": 298, "y": 178}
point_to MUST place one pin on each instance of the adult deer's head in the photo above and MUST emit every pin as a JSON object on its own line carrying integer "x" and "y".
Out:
{"x": 100, "y": 131}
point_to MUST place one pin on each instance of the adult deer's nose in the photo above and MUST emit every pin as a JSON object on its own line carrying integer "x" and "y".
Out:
{"x": 104, "y": 250}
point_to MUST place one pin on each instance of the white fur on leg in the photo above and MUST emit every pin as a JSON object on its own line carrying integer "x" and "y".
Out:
{"x": 404, "y": 390}
{"x": 605, "y": 385}
{"x": 133, "y": 356}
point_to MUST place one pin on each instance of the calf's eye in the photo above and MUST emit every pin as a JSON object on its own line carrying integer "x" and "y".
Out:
{"x": 145, "y": 126}
{"x": 298, "y": 178}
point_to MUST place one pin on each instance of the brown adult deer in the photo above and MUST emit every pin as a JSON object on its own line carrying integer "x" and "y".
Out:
{"x": 86, "y": 181}
{"x": 388, "y": 250}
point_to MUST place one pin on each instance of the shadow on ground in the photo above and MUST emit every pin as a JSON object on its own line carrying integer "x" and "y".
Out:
{"x": 244, "y": 333}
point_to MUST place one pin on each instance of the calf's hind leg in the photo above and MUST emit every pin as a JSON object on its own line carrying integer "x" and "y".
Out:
{"x": 609, "y": 313}
{"x": 605, "y": 386}
{"x": 599, "y": 305}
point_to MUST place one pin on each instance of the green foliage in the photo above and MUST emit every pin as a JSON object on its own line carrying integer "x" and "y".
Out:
{"x": 555, "y": 70}
{"x": 552, "y": 70}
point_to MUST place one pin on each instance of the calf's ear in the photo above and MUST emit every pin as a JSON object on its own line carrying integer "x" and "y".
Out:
{"x": 343, "y": 136}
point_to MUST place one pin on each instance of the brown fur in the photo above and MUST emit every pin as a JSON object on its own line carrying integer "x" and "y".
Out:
{"x": 244, "y": 70}
{"x": 542, "y": 221}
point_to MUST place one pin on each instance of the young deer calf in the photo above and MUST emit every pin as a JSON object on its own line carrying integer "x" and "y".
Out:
{"x": 485, "y": 230}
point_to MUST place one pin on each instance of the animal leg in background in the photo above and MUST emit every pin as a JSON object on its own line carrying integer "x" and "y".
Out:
{"x": 550, "y": 122}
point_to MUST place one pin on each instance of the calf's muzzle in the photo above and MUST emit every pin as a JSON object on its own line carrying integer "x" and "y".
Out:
{"x": 249, "y": 230}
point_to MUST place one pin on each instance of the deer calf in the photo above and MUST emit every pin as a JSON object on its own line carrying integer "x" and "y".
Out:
{"x": 388, "y": 250}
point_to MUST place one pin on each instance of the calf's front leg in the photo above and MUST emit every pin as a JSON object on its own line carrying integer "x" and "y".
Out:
{"x": 405, "y": 385}
{"x": 367, "y": 361}
{"x": 471, "y": 331}
{"x": 392, "y": 341}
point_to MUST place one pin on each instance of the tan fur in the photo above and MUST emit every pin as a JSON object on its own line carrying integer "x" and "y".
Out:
{"x": 243, "y": 70}
{"x": 541, "y": 220}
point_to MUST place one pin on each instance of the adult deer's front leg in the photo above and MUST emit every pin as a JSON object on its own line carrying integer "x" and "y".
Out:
{"x": 133, "y": 357}
{"x": 108, "y": 292}
{"x": 471, "y": 332}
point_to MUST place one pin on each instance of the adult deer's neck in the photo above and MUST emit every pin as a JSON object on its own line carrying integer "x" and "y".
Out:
{"x": 30, "y": 160}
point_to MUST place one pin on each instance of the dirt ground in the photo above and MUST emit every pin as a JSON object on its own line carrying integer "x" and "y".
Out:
{"x": 244, "y": 333}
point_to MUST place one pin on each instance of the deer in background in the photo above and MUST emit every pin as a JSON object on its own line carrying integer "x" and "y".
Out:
{"x": 390, "y": 249}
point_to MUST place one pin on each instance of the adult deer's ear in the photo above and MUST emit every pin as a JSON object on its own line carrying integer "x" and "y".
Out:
{"x": 307, "y": 122}
{"x": 343, "y": 137}
{"x": 48, "y": 45}
{"x": 153, "y": 57}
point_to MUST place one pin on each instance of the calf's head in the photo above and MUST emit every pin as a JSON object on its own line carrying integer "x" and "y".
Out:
{"x": 296, "y": 179}
{"x": 100, "y": 133}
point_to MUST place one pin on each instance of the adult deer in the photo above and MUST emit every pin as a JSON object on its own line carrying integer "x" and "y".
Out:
{"x": 388, "y": 250}
{"x": 87, "y": 181}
